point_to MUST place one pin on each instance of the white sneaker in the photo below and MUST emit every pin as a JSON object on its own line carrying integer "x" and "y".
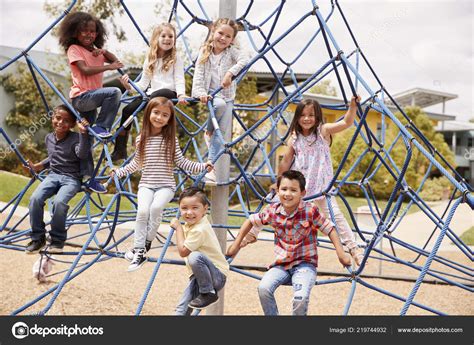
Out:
{"x": 139, "y": 258}
{"x": 129, "y": 254}
{"x": 210, "y": 178}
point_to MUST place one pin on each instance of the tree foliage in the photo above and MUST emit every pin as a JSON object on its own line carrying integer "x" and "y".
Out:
{"x": 382, "y": 182}
{"x": 28, "y": 115}
{"x": 324, "y": 88}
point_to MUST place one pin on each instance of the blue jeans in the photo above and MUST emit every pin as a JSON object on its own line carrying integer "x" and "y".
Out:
{"x": 223, "y": 113}
{"x": 302, "y": 276}
{"x": 107, "y": 98}
{"x": 65, "y": 187}
{"x": 206, "y": 277}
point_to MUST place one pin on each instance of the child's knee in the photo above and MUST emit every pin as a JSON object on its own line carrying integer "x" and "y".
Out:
{"x": 264, "y": 290}
{"x": 194, "y": 258}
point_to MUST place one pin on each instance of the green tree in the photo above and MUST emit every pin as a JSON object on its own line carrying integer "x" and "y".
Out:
{"x": 324, "y": 88}
{"x": 28, "y": 115}
{"x": 382, "y": 182}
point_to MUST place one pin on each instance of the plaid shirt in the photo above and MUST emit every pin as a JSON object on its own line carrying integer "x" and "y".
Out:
{"x": 295, "y": 234}
{"x": 233, "y": 60}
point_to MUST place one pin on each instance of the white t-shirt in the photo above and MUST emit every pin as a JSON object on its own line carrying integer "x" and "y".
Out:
{"x": 215, "y": 62}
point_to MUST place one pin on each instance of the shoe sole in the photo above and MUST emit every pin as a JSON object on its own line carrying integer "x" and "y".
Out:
{"x": 136, "y": 268}
{"x": 201, "y": 308}
{"x": 35, "y": 251}
{"x": 55, "y": 250}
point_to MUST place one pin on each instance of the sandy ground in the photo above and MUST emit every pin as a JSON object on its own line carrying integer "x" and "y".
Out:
{"x": 107, "y": 289}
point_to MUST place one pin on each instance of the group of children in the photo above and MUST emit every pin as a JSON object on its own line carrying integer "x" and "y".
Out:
{"x": 157, "y": 152}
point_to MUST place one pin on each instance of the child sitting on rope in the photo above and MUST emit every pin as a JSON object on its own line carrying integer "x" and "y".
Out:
{"x": 82, "y": 36}
{"x": 163, "y": 76}
{"x": 156, "y": 155}
{"x": 218, "y": 61}
{"x": 296, "y": 224}
{"x": 198, "y": 244}
{"x": 308, "y": 152}
{"x": 65, "y": 151}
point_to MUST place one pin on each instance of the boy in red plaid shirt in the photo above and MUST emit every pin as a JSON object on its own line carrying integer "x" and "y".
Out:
{"x": 296, "y": 224}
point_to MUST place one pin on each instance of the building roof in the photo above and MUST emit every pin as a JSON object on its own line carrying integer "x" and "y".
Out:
{"x": 455, "y": 126}
{"x": 48, "y": 62}
{"x": 422, "y": 98}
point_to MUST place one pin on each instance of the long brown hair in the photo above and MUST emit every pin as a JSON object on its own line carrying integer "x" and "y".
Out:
{"x": 169, "y": 59}
{"x": 206, "y": 48}
{"x": 318, "y": 113}
{"x": 168, "y": 132}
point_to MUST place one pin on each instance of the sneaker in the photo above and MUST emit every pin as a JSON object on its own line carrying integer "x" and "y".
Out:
{"x": 139, "y": 259}
{"x": 210, "y": 178}
{"x": 56, "y": 247}
{"x": 207, "y": 139}
{"x": 35, "y": 246}
{"x": 147, "y": 246}
{"x": 94, "y": 186}
{"x": 101, "y": 132}
{"x": 204, "y": 300}
{"x": 130, "y": 253}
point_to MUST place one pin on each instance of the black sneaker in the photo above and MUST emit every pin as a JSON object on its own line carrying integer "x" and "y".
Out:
{"x": 147, "y": 245}
{"x": 56, "y": 247}
{"x": 94, "y": 186}
{"x": 139, "y": 258}
{"x": 35, "y": 246}
{"x": 204, "y": 300}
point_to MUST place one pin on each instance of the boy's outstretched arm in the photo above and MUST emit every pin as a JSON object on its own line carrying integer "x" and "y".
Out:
{"x": 344, "y": 258}
{"x": 235, "y": 247}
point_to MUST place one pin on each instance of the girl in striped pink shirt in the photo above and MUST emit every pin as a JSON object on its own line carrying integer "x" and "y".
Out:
{"x": 157, "y": 152}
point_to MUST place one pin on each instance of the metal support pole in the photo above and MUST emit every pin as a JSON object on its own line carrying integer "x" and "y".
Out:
{"x": 220, "y": 194}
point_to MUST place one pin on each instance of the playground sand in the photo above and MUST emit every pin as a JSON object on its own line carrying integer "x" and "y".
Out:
{"x": 107, "y": 289}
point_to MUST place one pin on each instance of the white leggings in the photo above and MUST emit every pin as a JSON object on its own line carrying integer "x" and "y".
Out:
{"x": 151, "y": 203}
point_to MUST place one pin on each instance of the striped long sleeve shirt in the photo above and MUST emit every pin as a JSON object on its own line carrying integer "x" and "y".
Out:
{"x": 156, "y": 172}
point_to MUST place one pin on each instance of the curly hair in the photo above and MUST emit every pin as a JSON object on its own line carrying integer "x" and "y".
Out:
{"x": 73, "y": 23}
{"x": 170, "y": 56}
{"x": 206, "y": 48}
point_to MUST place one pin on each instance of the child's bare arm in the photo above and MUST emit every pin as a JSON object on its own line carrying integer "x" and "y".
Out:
{"x": 235, "y": 247}
{"x": 182, "y": 250}
{"x": 36, "y": 167}
{"x": 333, "y": 128}
{"x": 343, "y": 257}
{"x": 91, "y": 70}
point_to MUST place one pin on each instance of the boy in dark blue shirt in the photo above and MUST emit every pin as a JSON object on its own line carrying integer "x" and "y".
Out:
{"x": 65, "y": 149}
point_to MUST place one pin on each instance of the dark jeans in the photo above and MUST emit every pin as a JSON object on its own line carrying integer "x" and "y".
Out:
{"x": 131, "y": 107}
{"x": 64, "y": 188}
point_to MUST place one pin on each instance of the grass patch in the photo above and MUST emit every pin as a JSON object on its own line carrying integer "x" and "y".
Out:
{"x": 468, "y": 236}
{"x": 12, "y": 184}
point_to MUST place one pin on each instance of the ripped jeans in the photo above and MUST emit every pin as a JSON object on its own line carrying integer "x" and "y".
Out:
{"x": 302, "y": 276}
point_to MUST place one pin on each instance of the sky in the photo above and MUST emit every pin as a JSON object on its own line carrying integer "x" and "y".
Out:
{"x": 422, "y": 43}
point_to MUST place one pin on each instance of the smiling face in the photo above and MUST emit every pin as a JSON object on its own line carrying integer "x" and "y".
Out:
{"x": 159, "y": 117}
{"x": 222, "y": 38}
{"x": 87, "y": 34}
{"x": 62, "y": 122}
{"x": 192, "y": 209}
{"x": 290, "y": 194}
{"x": 307, "y": 120}
{"x": 166, "y": 40}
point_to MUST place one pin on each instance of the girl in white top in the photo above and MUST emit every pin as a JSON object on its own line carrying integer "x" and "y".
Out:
{"x": 157, "y": 152}
{"x": 163, "y": 76}
{"x": 218, "y": 61}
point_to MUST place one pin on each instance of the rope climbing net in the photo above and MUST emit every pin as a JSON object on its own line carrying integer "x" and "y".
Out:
{"x": 260, "y": 130}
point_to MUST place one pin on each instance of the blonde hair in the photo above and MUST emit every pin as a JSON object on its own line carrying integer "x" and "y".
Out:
{"x": 169, "y": 58}
{"x": 206, "y": 48}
